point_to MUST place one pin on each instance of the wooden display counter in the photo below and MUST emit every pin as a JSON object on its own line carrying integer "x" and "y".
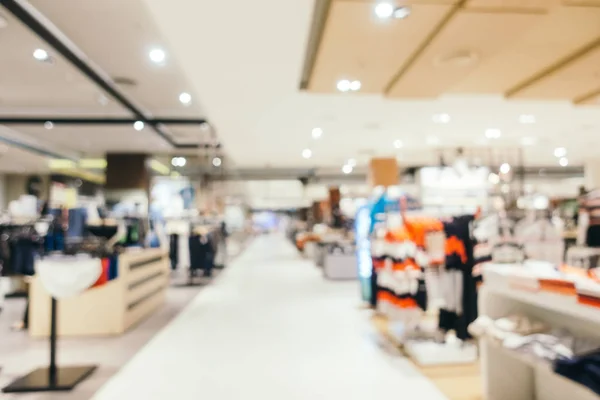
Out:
{"x": 110, "y": 309}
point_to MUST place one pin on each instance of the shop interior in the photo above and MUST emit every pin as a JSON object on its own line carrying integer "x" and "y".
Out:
{"x": 313, "y": 199}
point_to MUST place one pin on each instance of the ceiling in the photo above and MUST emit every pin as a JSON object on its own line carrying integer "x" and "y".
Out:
{"x": 250, "y": 63}
{"x": 114, "y": 37}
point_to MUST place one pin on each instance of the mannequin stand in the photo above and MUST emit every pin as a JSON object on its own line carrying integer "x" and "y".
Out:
{"x": 51, "y": 378}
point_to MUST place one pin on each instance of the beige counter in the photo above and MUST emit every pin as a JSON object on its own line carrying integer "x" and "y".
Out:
{"x": 110, "y": 309}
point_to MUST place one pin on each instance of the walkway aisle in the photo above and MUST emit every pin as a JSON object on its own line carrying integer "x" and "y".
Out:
{"x": 270, "y": 328}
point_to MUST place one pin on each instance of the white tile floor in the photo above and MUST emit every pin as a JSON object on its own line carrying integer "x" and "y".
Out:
{"x": 270, "y": 328}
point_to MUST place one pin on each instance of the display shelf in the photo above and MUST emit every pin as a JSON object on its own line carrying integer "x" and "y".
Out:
{"x": 509, "y": 375}
{"x": 112, "y": 308}
{"x": 429, "y": 353}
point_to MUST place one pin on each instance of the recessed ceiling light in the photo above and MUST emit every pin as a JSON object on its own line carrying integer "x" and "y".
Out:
{"x": 157, "y": 56}
{"x": 344, "y": 85}
{"x": 178, "y": 161}
{"x": 398, "y": 143}
{"x": 351, "y": 162}
{"x": 505, "y": 168}
{"x": 317, "y": 133}
{"x": 563, "y": 162}
{"x": 494, "y": 179}
{"x": 493, "y": 133}
{"x": 355, "y": 86}
{"x": 528, "y": 141}
{"x": 185, "y": 98}
{"x": 102, "y": 100}
{"x": 3, "y": 21}
{"x": 384, "y": 10}
{"x": 216, "y": 162}
{"x": 41, "y": 55}
{"x": 347, "y": 169}
{"x": 560, "y": 152}
{"x": 527, "y": 119}
{"x": 138, "y": 125}
{"x": 205, "y": 126}
{"x": 48, "y": 125}
{"x": 433, "y": 140}
{"x": 401, "y": 12}
{"x": 307, "y": 153}
{"x": 441, "y": 118}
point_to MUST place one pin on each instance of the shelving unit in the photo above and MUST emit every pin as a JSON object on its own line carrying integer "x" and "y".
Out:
{"x": 509, "y": 375}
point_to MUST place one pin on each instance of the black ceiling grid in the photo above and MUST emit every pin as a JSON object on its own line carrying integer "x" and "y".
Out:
{"x": 97, "y": 121}
{"x": 33, "y": 23}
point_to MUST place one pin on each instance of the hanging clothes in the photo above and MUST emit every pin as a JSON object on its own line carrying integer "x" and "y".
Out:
{"x": 174, "y": 250}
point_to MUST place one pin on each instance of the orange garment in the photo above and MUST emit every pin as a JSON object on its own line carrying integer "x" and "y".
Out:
{"x": 456, "y": 246}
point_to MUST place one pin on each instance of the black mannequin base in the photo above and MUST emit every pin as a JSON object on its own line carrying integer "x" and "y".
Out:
{"x": 40, "y": 380}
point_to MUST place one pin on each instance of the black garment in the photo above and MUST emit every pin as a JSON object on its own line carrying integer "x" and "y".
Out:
{"x": 460, "y": 257}
{"x": 592, "y": 238}
{"x": 374, "y": 289}
{"x": 23, "y": 252}
{"x": 201, "y": 254}
{"x": 583, "y": 369}
{"x": 174, "y": 250}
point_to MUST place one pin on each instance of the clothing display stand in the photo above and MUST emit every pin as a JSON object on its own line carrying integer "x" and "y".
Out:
{"x": 51, "y": 378}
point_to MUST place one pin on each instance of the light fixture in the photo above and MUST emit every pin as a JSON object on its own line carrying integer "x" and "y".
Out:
{"x": 505, "y": 168}
{"x": 398, "y": 144}
{"x": 307, "y": 153}
{"x": 205, "y": 126}
{"x": 138, "y": 125}
{"x": 157, "y": 56}
{"x": 216, "y": 162}
{"x": 494, "y": 179}
{"x": 178, "y": 161}
{"x": 441, "y": 118}
{"x": 355, "y": 86}
{"x": 41, "y": 55}
{"x": 347, "y": 169}
{"x": 528, "y": 141}
{"x": 560, "y": 152}
{"x": 527, "y": 119}
{"x": 563, "y": 161}
{"x": 351, "y": 162}
{"x": 317, "y": 133}
{"x": 493, "y": 133}
{"x": 384, "y": 10}
{"x": 3, "y": 21}
{"x": 185, "y": 98}
{"x": 48, "y": 125}
{"x": 344, "y": 85}
{"x": 401, "y": 12}
{"x": 102, "y": 100}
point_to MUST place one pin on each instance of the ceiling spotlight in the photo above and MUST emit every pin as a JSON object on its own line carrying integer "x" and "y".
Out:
{"x": 494, "y": 179}
{"x": 505, "y": 168}
{"x": 178, "y": 161}
{"x": 307, "y": 153}
{"x": 138, "y": 125}
{"x": 560, "y": 152}
{"x": 401, "y": 12}
{"x": 441, "y": 118}
{"x": 205, "y": 126}
{"x": 528, "y": 141}
{"x": 41, "y": 55}
{"x": 216, "y": 162}
{"x": 563, "y": 162}
{"x": 48, "y": 125}
{"x": 351, "y": 162}
{"x": 398, "y": 144}
{"x": 493, "y": 133}
{"x": 384, "y": 10}
{"x": 347, "y": 169}
{"x": 317, "y": 133}
{"x": 355, "y": 86}
{"x": 157, "y": 56}
{"x": 527, "y": 119}
{"x": 185, "y": 98}
{"x": 344, "y": 85}
{"x": 102, "y": 100}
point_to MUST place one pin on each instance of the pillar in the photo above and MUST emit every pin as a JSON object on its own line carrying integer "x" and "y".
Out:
{"x": 128, "y": 180}
{"x": 591, "y": 173}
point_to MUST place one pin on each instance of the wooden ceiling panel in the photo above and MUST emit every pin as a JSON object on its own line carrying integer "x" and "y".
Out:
{"x": 356, "y": 45}
{"x": 468, "y": 41}
{"x": 582, "y": 3}
{"x": 555, "y": 37}
{"x": 576, "y": 79}
{"x": 513, "y": 5}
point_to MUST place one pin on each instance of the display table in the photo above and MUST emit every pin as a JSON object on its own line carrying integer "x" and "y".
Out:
{"x": 110, "y": 309}
{"x": 509, "y": 375}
